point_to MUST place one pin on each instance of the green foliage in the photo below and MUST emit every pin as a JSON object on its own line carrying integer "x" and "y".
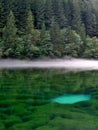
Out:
{"x": 20, "y": 9}
{"x": 19, "y": 48}
{"x": 45, "y": 45}
{"x": 72, "y": 42}
{"x": 59, "y": 13}
{"x": 39, "y": 11}
{"x": 32, "y": 28}
{"x": 48, "y": 13}
{"x": 10, "y": 30}
{"x": 56, "y": 38}
{"x": 9, "y": 35}
{"x": 29, "y": 23}
{"x": 1, "y": 48}
{"x": 30, "y": 48}
{"x": 91, "y": 49}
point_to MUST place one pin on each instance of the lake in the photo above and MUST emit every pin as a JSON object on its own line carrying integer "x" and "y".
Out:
{"x": 27, "y": 99}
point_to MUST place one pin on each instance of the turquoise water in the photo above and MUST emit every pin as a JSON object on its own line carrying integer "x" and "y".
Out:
{"x": 71, "y": 99}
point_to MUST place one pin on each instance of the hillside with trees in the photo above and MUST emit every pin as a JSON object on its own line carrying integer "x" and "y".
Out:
{"x": 48, "y": 28}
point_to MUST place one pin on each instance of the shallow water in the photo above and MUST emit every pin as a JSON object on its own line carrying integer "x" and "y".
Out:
{"x": 71, "y": 99}
{"x": 25, "y": 99}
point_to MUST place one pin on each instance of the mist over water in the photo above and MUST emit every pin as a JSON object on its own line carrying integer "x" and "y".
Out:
{"x": 78, "y": 64}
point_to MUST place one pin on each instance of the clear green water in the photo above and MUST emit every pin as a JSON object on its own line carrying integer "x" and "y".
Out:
{"x": 25, "y": 100}
{"x": 71, "y": 99}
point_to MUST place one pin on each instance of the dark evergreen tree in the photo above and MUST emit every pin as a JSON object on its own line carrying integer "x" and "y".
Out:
{"x": 1, "y": 23}
{"x": 89, "y": 19}
{"x": 92, "y": 28}
{"x": 43, "y": 31}
{"x": 77, "y": 23}
{"x": 69, "y": 12}
{"x": 9, "y": 35}
{"x": 66, "y": 10}
{"x": 4, "y": 12}
{"x": 48, "y": 13}
{"x": 45, "y": 45}
{"x": 29, "y": 23}
{"x": 31, "y": 36}
{"x": 72, "y": 42}
{"x": 21, "y": 7}
{"x": 56, "y": 38}
{"x": 59, "y": 13}
{"x": 39, "y": 13}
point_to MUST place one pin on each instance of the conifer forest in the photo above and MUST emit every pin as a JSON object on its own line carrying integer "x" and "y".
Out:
{"x": 48, "y": 28}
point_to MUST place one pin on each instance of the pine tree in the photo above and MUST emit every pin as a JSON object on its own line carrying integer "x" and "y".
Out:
{"x": 29, "y": 29}
{"x": 7, "y": 5}
{"x": 59, "y": 13}
{"x": 48, "y": 13}
{"x": 73, "y": 43}
{"x": 1, "y": 19}
{"x": 90, "y": 19}
{"x": 77, "y": 24}
{"x": 29, "y": 23}
{"x": 68, "y": 11}
{"x": 65, "y": 8}
{"x": 56, "y": 38}
{"x": 9, "y": 35}
{"x": 45, "y": 44}
{"x": 39, "y": 12}
{"x": 92, "y": 28}
{"x": 3, "y": 15}
{"x": 21, "y": 8}
{"x": 43, "y": 31}
{"x": 32, "y": 34}
{"x": 31, "y": 37}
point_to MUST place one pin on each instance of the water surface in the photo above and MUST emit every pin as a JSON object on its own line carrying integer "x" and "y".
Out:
{"x": 25, "y": 99}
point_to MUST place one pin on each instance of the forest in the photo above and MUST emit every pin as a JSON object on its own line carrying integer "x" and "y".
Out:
{"x": 48, "y": 28}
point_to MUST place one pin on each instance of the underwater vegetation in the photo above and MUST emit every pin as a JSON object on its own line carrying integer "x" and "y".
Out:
{"x": 25, "y": 100}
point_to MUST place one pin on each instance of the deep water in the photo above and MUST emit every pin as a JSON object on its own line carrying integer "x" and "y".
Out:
{"x": 25, "y": 99}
